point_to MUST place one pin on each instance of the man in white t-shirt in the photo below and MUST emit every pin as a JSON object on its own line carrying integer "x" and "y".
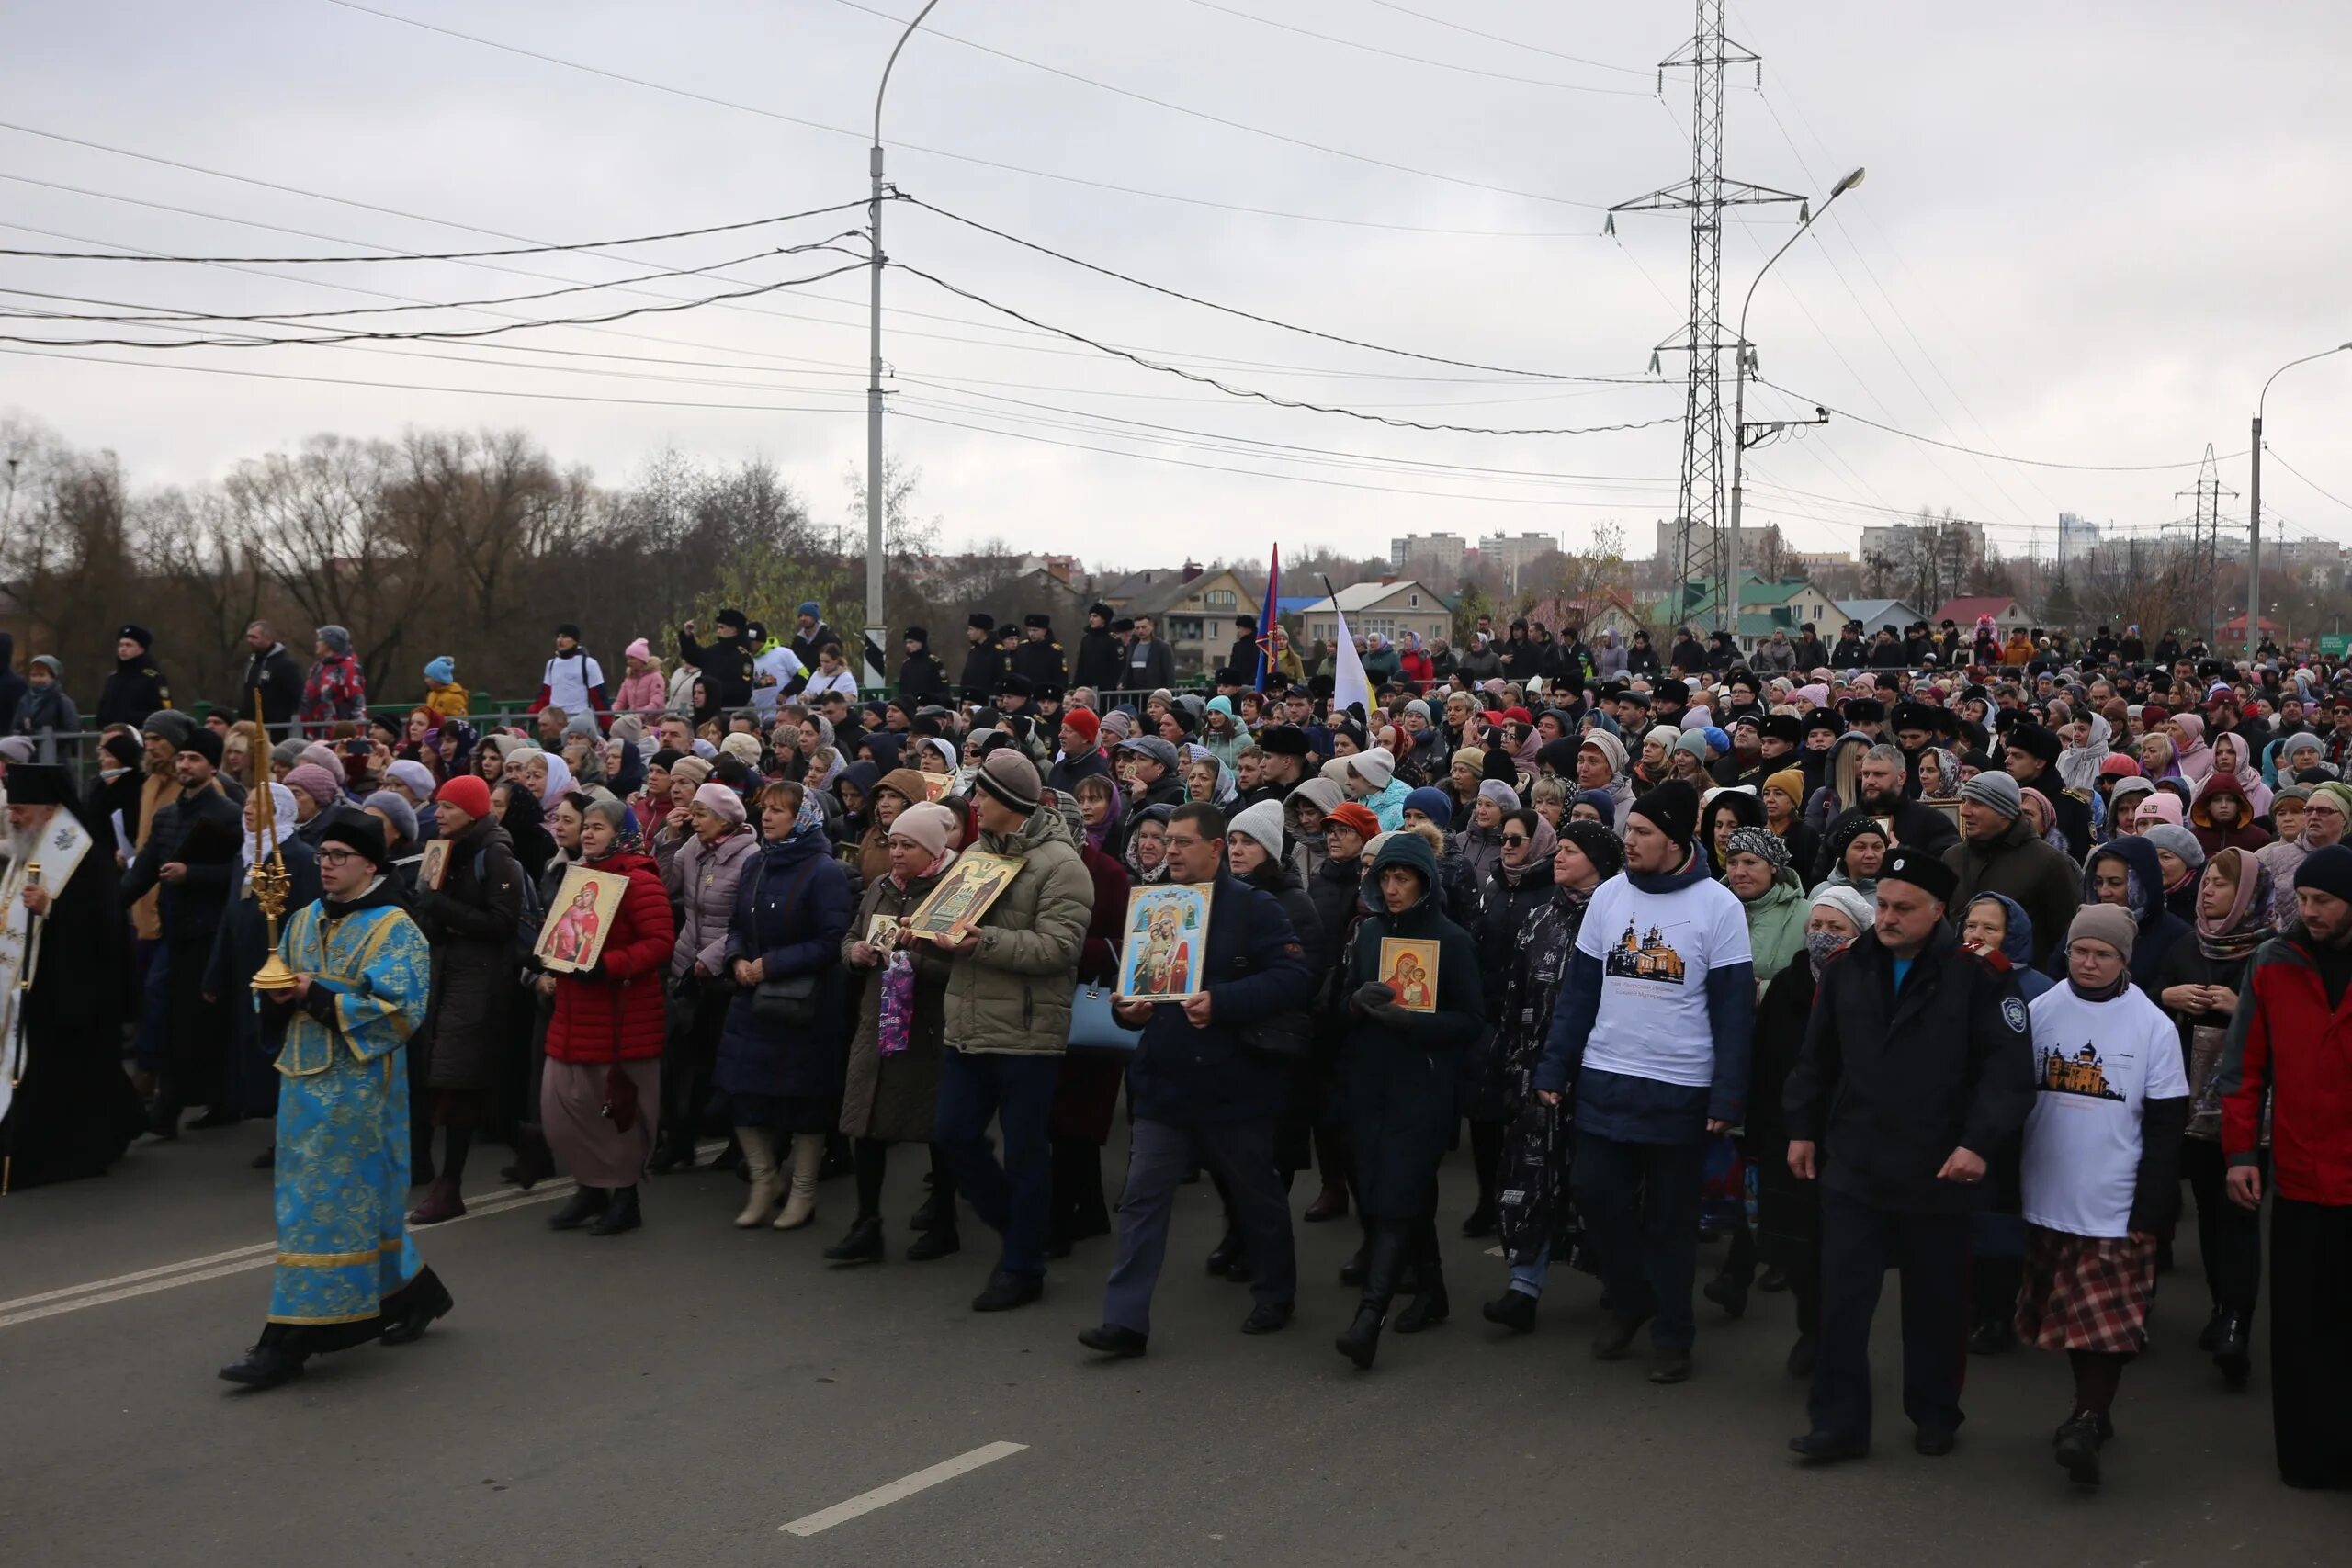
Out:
{"x": 2101, "y": 1171}
{"x": 572, "y": 681}
{"x": 1652, "y": 1032}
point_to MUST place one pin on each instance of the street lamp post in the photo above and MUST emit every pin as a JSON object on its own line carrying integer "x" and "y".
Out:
{"x": 876, "y": 635}
{"x": 2253, "y": 507}
{"x": 1740, "y": 358}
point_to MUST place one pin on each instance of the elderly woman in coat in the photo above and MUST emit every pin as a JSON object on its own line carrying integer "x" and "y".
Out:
{"x": 602, "y": 1084}
{"x": 701, "y": 871}
{"x": 780, "y": 1053}
{"x": 891, "y": 1092}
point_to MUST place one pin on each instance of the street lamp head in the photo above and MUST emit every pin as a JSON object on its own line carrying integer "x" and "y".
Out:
{"x": 1848, "y": 183}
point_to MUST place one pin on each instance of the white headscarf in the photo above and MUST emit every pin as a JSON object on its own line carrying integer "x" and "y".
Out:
{"x": 281, "y": 801}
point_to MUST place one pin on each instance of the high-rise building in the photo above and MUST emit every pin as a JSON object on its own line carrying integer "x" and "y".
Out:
{"x": 1429, "y": 555}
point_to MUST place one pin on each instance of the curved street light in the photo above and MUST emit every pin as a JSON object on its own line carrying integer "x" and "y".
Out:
{"x": 876, "y": 635}
{"x": 2254, "y": 506}
{"x": 1729, "y": 598}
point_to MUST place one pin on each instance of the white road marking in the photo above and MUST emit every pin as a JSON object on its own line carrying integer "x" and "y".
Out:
{"x": 905, "y": 1487}
{"x": 238, "y": 1260}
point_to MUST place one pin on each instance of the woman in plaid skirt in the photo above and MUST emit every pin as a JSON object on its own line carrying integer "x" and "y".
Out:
{"x": 2100, "y": 1172}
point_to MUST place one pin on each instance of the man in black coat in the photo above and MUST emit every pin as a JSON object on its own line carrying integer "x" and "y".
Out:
{"x": 1881, "y": 783}
{"x": 921, "y": 679}
{"x": 984, "y": 667}
{"x": 725, "y": 661}
{"x": 1100, "y": 656}
{"x": 271, "y": 671}
{"x": 1917, "y": 1064}
{"x": 1040, "y": 657}
{"x": 2032, "y": 758}
{"x": 192, "y": 854}
{"x": 1199, "y": 1090}
{"x": 1151, "y": 663}
{"x": 137, "y": 687}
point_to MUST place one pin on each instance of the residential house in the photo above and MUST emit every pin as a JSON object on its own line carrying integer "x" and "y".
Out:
{"x": 2007, "y": 615}
{"x": 1764, "y": 608}
{"x": 1604, "y": 610}
{"x": 1391, "y": 606}
{"x": 1892, "y": 614}
{"x": 1194, "y": 610}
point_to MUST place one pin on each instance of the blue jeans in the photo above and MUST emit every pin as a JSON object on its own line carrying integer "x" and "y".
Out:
{"x": 1012, "y": 1199}
{"x": 1640, "y": 1205}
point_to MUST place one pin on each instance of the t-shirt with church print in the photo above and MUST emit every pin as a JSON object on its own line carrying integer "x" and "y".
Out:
{"x": 2094, "y": 1066}
{"x": 1655, "y": 950}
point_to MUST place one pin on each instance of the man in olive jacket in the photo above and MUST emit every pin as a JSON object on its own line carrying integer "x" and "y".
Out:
{"x": 1999, "y": 852}
{"x": 1007, "y": 1021}
{"x": 1201, "y": 1089}
{"x": 1918, "y": 1066}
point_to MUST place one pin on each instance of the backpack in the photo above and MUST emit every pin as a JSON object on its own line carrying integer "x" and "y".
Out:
{"x": 527, "y": 920}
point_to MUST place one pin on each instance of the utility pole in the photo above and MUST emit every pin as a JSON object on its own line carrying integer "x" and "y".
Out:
{"x": 2205, "y": 541}
{"x": 1703, "y": 549}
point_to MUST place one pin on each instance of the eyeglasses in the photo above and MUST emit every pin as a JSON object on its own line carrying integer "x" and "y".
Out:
{"x": 1176, "y": 844}
{"x": 1514, "y": 838}
{"x": 338, "y": 857}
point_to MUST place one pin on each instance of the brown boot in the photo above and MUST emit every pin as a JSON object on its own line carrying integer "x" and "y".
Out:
{"x": 441, "y": 1203}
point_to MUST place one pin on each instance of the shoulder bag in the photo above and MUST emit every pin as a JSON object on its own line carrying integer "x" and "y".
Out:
{"x": 788, "y": 1001}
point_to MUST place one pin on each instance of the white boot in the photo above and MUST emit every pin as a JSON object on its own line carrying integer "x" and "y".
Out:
{"x": 767, "y": 1184}
{"x": 808, "y": 1156}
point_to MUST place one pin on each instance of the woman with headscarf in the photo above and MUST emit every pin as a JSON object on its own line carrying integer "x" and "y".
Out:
{"x": 780, "y": 1057}
{"x": 1102, "y": 806}
{"x": 2199, "y": 984}
{"x": 1147, "y": 851}
{"x": 1725, "y": 812}
{"x": 1788, "y": 1211}
{"x": 1996, "y": 928}
{"x": 852, "y": 793}
{"x": 891, "y": 1090}
{"x": 1335, "y": 890}
{"x": 1516, "y": 886}
{"x": 1481, "y": 844}
{"x": 2192, "y": 756}
{"x": 1538, "y": 1224}
{"x": 1207, "y": 779}
{"x": 2086, "y": 747}
{"x": 1851, "y": 855}
{"x": 2232, "y": 760}
{"x": 600, "y": 1090}
{"x": 1304, "y": 811}
{"x": 519, "y": 813}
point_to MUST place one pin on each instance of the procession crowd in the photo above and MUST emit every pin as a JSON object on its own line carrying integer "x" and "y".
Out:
{"x": 1932, "y": 951}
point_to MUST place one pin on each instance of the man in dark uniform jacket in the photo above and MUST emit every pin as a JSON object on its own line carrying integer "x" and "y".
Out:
{"x": 1040, "y": 657}
{"x": 1918, "y": 1066}
{"x": 137, "y": 687}
{"x": 920, "y": 677}
{"x": 1101, "y": 660}
{"x": 984, "y": 667}
{"x": 725, "y": 661}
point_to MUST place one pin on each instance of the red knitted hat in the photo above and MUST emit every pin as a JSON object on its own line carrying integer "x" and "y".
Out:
{"x": 468, "y": 792}
{"x": 1083, "y": 720}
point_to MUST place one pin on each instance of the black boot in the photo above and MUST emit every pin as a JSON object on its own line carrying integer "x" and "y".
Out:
{"x": 2077, "y": 1443}
{"x": 862, "y": 1245}
{"x": 2233, "y": 1348}
{"x": 413, "y": 1309}
{"x": 1431, "y": 1304}
{"x": 1221, "y": 1257}
{"x": 1384, "y": 1256}
{"x": 1729, "y": 1292}
{"x": 264, "y": 1366}
{"x": 1514, "y": 1310}
{"x": 621, "y": 1215}
{"x": 939, "y": 1241}
{"x": 585, "y": 1204}
{"x": 534, "y": 1161}
{"x": 2209, "y": 1338}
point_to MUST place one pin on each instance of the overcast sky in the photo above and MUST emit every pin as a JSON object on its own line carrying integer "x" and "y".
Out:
{"x": 2089, "y": 232}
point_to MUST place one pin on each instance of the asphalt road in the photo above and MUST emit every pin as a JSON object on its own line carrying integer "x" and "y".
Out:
{"x": 678, "y": 1395}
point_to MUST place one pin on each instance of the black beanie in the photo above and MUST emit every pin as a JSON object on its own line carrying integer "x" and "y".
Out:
{"x": 205, "y": 743}
{"x": 1604, "y": 848}
{"x": 1673, "y": 808}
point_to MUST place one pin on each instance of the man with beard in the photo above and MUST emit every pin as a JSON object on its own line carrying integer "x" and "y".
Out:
{"x": 1882, "y": 783}
{"x": 66, "y": 1110}
{"x": 192, "y": 856}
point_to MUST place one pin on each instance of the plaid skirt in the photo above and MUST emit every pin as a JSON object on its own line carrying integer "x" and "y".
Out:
{"x": 2085, "y": 1292}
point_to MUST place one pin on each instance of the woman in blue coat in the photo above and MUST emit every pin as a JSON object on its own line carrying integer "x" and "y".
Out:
{"x": 1398, "y": 1068}
{"x": 780, "y": 1060}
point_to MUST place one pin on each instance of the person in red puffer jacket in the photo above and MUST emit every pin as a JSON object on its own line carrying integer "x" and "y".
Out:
{"x": 601, "y": 1094}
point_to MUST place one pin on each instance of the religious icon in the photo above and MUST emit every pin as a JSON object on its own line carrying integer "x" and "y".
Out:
{"x": 1946, "y": 804}
{"x": 936, "y": 785}
{"x": 436, "y": 869}
{"x": 1408, "y": 968}
{"x": 580, "y": 920}
{"x": 1163, "y": 944}
{"x": 964, "y": 895}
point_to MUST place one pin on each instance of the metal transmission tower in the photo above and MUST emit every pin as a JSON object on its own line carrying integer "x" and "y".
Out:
{"x": 2205, "y": 543}
{"x": 1699, "y": 522}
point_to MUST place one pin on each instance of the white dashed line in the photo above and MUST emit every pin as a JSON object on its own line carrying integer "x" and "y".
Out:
{"x": 900, "y": 1489}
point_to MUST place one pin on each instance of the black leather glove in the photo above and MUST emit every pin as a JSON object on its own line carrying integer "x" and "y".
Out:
{"x": 1374, "y": 1001}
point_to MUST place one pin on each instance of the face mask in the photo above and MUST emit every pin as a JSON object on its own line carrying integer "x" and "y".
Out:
{"x": 1824, "y": 945}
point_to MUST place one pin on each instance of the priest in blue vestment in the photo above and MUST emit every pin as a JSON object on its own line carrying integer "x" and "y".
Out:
{"x": 347, "y": 1269}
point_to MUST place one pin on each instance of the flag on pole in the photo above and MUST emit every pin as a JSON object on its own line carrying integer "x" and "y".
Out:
{"x": 1352, "y": 688}
{"x": 1268, "y": 618}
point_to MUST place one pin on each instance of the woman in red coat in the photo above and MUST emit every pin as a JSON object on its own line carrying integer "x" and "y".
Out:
{"x": 602, "y": 1091}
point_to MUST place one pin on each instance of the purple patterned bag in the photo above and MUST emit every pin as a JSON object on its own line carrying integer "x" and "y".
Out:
{"x": 898, "y": 1017}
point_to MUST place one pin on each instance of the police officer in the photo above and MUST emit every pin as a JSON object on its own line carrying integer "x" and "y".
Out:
{"x": 1040, "y": 656}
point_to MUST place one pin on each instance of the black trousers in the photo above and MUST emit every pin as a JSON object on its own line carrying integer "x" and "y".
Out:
{"x": 2310, "y": 1341}
{"x": 1859, "y": 1244}
{"x": 2228, "y": 1239}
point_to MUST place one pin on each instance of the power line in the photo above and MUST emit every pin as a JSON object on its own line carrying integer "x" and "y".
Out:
{"x": 1978, "y": 452}
{"x": 1498, "y": 38}
{"x": 441, "y": 335}
{"x": 1263, "y": 321}
{"x": 284, "y": 316}
{"x": 862, "y": 136}
{"x": 1277, "y": 401}
{"x": 416, "y": 255}
{"x": 1205, "y": 114}
{"x": 1417, "y": 59}
{"x": 2314, "y": 484}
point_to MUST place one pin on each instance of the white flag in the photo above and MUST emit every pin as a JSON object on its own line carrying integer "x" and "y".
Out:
{"x": 1351, "y": 687}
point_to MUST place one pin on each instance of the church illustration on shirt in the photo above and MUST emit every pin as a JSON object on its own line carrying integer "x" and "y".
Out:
{"x": 2083, "y": 1073}
{"x": 1643, "y": 958}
